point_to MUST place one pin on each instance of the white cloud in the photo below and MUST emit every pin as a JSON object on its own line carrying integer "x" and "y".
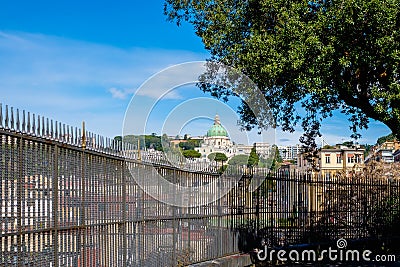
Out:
{"x": 158, "y": 93}
{"x": 120, "y": 93}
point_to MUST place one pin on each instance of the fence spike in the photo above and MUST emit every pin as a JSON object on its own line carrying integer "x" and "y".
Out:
{"x": 47, "y": 127}
{"x": 28, "y": 126}
{"x": 43, "y": 126}
{"x": 7, "y": 119}
{"x": 38, "y": 125}
{"x": 64, "y": 133}
{"x": 81, "y": 138}
{"x": 17, "y": 121}
{"x": 96, "y": 138}
{"x": 76, "y": 136}
{"x": 68, "y": 136}
{"x": 82, "y": 134}
{"x": 59, "y": 131}
{"x": 51, "y": 129}
{"x": 33, "y": 124}
{"x": 23, "y": 121}
{"x": 72, "y": 135}
{"x": 12, "y": 126}
{"x": 93, "y": 142}
{"x": 71, "y": 139}
{"x": 56, "y": 130}
{"x": 88, "y": 139}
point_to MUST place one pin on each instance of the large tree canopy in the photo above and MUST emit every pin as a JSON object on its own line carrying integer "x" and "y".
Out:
{"x": 321, "y": 55}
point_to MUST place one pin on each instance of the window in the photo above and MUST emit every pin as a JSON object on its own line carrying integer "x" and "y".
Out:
{"x": 350, "y": 159}
{"x": 338, "y": 158}
{"x": 327, "y": 159}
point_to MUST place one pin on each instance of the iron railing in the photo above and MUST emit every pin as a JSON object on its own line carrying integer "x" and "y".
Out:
{"x": 68, "y": 199}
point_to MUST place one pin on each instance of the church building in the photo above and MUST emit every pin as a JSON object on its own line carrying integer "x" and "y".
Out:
{"x": 216, "y": 140}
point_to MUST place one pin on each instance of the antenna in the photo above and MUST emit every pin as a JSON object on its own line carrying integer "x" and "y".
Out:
{"x": 323, "y": 142}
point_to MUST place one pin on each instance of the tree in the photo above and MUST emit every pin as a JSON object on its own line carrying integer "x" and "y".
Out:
{"x": 253, "y": 158}
{"x": 145, "y": 141}
{"x": 189, "y": 144}
{"x": 217, "y": 157}
{"x": 322, "y": 55}
{"x": 278, "y": 157}
{"x": 348, "y": 143}
{"x": 191, "y": 154}
{"x": 276, "y": 160}
{"x": 239, "y": 160}
{"x": 385, "y": 138}
{"x": 153, "y": 141}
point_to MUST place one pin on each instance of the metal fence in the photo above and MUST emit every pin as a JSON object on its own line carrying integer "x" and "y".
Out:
{"x": 68, "y": 199}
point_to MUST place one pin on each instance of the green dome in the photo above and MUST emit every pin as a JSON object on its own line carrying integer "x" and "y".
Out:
{"x": 217, "y": 129}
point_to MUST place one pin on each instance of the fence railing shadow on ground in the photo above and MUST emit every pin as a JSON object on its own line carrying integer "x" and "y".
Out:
{"x": 68, "y": 199}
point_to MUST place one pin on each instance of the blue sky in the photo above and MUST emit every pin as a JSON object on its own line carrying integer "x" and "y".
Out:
{"x": 83, "y": 60}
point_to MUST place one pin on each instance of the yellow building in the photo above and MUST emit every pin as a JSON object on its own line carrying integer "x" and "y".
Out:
{"x": 328, "y": 162}
{"x": 332, "y": 160}
{"x": 392, "y": 145}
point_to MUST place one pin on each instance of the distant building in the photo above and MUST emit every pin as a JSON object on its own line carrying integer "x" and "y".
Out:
{"x": 331, "y": 160}
{"x": 384, "y": 155}
{"x": 217, "y": 140}
{"x": 289, "y": 152}
{"x": 175, "y": 142}
{"x": 391, "y": 145}
{"x": 385, "y": 152}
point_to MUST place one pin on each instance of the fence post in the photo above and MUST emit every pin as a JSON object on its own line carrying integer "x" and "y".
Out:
{"x": 124, "y": 211}
{"x": 174, "y": 225}
{"x": 82, "y": 226}
{"x": 55, "y": 205}
{"x": 20, "y": 181}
